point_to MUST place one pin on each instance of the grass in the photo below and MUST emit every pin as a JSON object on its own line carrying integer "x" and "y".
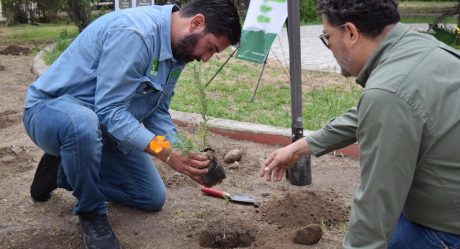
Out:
{"x": 424, "y": 7}
{"x": 26, "y": 34}
{"x": 450, "y": 37}
{"x": 60, "y": 44}
{"x": 230, "y": 94}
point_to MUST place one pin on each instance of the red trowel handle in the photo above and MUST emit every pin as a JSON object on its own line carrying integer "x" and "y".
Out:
{"x": 214, "y": 192}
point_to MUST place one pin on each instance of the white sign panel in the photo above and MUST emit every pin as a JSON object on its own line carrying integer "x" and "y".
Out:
{"x": 124, "y": 4}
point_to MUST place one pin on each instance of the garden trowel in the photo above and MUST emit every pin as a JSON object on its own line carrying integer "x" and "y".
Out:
{"x": 241, "y": 198}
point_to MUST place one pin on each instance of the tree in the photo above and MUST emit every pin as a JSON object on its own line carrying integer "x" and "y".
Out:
{"x": 79, "y": 12}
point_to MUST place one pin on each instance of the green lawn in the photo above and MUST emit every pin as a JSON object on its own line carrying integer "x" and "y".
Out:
{"x": 26, "y": 34}
{"x": 325, "y": 95}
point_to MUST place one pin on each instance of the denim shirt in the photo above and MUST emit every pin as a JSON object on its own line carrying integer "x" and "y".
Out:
{"x": 123, "y": 68}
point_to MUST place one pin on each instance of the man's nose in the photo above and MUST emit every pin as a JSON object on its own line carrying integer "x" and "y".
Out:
{"x": 206, "y": 57}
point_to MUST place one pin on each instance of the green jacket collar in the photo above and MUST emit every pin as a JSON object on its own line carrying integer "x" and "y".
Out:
{"x": 398, "y": 31}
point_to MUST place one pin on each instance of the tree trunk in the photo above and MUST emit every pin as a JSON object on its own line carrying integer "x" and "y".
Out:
{"x": 79, "y": 12}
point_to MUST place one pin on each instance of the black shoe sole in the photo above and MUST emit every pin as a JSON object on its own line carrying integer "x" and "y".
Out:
{"x": 45, "y": 178}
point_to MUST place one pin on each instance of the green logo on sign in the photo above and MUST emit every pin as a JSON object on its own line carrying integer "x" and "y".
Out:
{"x": 265, "y": 8}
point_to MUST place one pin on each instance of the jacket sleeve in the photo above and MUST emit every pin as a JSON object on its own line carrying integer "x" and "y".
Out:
{"x": 389, "y": 136}
{"x": 338, "y": 133}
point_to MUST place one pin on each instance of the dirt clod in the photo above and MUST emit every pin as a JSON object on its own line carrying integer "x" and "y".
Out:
{"x": 228, "y": 234}
{"x": 308, "y": 235}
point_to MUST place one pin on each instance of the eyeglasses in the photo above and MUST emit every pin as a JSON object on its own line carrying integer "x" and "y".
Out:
{"x": 325, "y": 37}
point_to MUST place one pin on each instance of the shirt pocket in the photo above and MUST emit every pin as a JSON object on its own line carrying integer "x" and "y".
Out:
{"x": 149, "y": 86}
{"x": 147, "y": 96}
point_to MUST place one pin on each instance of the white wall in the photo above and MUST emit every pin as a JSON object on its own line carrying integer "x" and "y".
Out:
{"x": 1, "y": 16}
{"x": 123, "y": 4}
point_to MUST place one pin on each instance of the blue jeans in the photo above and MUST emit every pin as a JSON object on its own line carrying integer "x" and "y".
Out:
{"x": 409, "y": 235}
{"x": 92, "y": 167}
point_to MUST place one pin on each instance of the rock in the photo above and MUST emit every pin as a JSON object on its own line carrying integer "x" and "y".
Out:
{"x": 265, "y": 194}
{"x": 308, "y": 235}
{"x": 235, "y": 165}
{"x": 233, "y": 155}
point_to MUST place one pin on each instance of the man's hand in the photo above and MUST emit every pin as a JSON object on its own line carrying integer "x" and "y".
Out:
{"x": 194, "y": 165}
{"x": 279, "y": 161}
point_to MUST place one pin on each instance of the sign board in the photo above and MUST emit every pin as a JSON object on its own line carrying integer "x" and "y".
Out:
{"x": 264, "y": 21}
{"x": 124, "y": 4}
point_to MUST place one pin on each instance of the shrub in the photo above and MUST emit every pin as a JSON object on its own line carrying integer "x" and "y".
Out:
{"x": 49, "y": 9}
{"x": 31, "y": 11}
{"x": 308, "y": 11}
{"x": 79, "y": 12}
{"x": 16, "y": 11}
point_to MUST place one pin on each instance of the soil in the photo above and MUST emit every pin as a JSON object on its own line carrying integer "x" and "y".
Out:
{"x": 15, "y": 50}
{"x": 189, "y": 219}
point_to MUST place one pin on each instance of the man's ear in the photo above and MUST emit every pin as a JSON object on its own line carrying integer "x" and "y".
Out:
{"x": 352, "y": 33}
{"x": 197, "y": 23}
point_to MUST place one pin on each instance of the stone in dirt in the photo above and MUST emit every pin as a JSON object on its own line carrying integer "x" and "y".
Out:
{"x": 308, "y": 235}
{"x": 233, "y": 156}
{"x": 15, "y": 50}
{"x": 229, "y": 233}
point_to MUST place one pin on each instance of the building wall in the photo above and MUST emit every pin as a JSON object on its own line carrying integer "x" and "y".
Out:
{"x": 1, "y": 16}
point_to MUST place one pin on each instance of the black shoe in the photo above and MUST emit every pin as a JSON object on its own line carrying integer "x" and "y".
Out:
{"x": 45, "y": 179}
{"x": 97, "y": 232}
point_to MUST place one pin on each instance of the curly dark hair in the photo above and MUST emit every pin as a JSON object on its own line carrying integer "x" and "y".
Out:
{"x": 221, "y": 17}
{"x": 369, "y": 16}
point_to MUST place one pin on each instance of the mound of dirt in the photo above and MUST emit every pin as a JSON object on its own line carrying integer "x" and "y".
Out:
{"x": 300, "y": 208}
{"x": 228, "y": 234}
{"x": 15, "y": 50}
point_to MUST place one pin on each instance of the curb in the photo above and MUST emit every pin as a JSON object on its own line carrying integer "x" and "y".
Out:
{"x": 263, "y": 134}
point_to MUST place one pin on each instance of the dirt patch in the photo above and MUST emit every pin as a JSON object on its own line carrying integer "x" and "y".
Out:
{"x": 228, "y": 234}
{"x": 9, "y": 117}
{"x": 15, "y": 159}
{"x": 43, "y": 239}
{"x": 303, "y": 207}
{"x": 15, "y": 50}
{"x": 187, "y": 212}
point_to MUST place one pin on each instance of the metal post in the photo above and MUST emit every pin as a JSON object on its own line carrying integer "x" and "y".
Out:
{"x": 299, "y": 174}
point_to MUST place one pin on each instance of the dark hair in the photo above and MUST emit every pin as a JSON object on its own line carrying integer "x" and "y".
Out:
{"x": 369, "y": 16}
{"x": 221, "y": 17}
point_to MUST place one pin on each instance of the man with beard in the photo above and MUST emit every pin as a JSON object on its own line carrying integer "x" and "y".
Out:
{"x": 101, "y": 109}
{"x": 407, "y": 124}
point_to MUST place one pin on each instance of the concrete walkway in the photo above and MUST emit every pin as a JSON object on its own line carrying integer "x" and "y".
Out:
{"x": 314, "y": 55}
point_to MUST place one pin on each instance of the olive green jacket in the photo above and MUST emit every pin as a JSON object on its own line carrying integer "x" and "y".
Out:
{"x": 407, "y": 124}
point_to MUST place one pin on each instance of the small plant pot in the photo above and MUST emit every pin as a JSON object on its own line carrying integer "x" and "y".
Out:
{"x": 216, "y": 172}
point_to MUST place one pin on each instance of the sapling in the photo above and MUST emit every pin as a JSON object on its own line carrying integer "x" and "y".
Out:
{"x": 185, "y": 144}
